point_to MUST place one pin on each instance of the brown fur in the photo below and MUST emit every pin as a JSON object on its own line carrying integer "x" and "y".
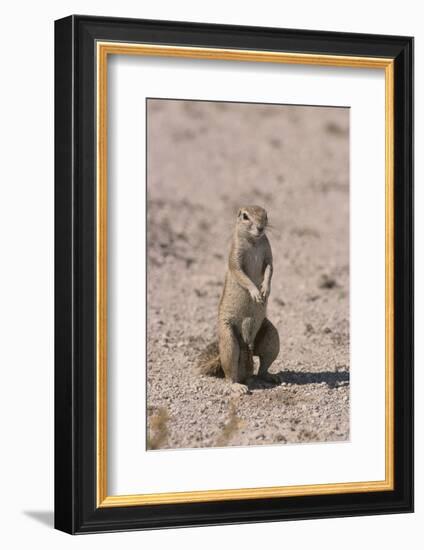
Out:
{"x": 243, "y": 329}
{"x": 209, "y": 362}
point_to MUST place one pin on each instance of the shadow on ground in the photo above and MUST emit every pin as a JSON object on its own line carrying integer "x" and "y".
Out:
{"x": 330, "y": 378}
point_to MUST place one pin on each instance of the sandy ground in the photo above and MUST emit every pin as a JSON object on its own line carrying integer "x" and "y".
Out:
{"x": 205, "y": 160}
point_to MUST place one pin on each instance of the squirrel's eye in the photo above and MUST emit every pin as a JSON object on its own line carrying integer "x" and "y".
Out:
{"x": 245, "y": 216}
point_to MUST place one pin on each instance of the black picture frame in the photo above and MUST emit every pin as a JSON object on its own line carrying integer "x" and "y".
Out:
{"x": 76, "y": 509}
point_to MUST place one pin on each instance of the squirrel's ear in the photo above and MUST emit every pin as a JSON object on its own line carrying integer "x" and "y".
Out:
{"x": 239, "y": 213}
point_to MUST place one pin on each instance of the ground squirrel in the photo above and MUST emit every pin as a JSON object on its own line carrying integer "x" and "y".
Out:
{"x": 243, "y": 328}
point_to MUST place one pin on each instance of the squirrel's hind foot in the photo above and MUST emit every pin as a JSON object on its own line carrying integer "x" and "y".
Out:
{"x": 239, "y": 389}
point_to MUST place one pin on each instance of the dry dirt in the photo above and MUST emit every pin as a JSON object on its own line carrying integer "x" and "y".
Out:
{"x": 205, "y": 160}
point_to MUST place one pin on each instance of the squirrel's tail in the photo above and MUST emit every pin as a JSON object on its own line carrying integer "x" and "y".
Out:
{"x": 209, "y": 363}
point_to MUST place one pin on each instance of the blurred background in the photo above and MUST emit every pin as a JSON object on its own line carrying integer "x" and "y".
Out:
{"x": 205, "y": 160}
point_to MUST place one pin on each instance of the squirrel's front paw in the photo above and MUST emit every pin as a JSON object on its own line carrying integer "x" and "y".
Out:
{"x": 256, "y": 295}
{"x": 265, "y": 290}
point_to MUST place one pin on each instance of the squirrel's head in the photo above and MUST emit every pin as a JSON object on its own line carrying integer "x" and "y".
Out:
{"x": 252, "y": 221}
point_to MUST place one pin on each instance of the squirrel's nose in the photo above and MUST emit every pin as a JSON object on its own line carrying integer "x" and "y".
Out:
{"x": 260, "y": 228}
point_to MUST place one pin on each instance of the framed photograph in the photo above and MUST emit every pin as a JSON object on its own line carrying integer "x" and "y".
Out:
{"x": 234, "y": 274}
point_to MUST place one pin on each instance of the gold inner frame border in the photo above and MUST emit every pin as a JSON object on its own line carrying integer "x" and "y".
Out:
{"x": 103, "y": 50}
